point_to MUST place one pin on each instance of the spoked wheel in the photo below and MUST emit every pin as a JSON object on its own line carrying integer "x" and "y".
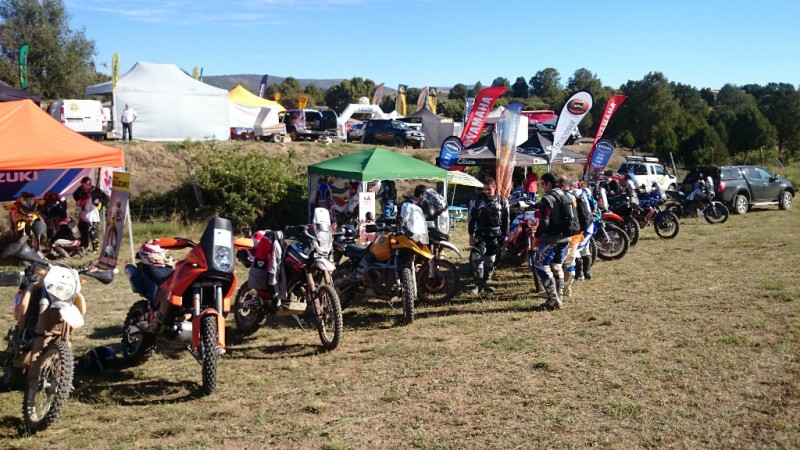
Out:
{"x": 716, "y": 212}
{"x": 440, "y": 286}
{"x": 409, "y": 293}
{"x": 46, "y": 396}
{"x": 344, "y": 288}
{"x": 632, "y": 229}
{"x": 329, "y": 317}
{"x": 248, "y": 311}
{"x": 666, "y": 225}
{"x": 209, "y": 352}
{"x": 611, "y": 244}
{"x": 137, "y": 347}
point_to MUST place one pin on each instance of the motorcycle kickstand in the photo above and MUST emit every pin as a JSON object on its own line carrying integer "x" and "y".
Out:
{"x": 299, "y": 322}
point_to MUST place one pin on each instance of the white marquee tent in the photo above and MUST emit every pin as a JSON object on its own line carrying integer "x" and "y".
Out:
{"x": 170, "y": 105}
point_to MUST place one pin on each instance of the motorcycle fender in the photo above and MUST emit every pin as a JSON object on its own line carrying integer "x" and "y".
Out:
{"x": 451, "y": 247}
{"x": 196, "y": 328}
{"x": 402, "y": 242}
{"x": 612, "y": 216}
{"x": 324, "y": 264}
{"x": 69, "y": 313}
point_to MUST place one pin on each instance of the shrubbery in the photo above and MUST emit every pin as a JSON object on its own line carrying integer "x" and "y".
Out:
{"x": 245, "y": 186}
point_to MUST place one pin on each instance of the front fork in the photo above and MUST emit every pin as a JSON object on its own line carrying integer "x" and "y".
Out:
{"x": 197, "y": 318}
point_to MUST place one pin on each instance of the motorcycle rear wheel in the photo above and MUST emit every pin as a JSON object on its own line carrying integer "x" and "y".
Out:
{"x": 345, "y": 290}
{"x": 138, "y": 347}
{"x": 409, "y": 293}
{"x": 329, "y": 321}
{"x": 613, "y": 244}
{"x": 440, "y": 287}
{"x": 209, "y": 352}
{"x": 248, "y": 318}
{"x": 716, "y": 212}
{"x": 45, "y": 400}
{"x": 666, "y": 225}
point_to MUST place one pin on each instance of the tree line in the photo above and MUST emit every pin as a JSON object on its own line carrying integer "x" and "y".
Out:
{"x": 699, "y": 126}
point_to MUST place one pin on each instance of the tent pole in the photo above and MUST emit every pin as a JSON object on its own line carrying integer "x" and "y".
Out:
{"x": 130, "y": 231}
{"x": 444, "y": 189}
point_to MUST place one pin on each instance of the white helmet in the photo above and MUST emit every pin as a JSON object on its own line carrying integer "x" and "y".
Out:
{"x": 152, "y": 254}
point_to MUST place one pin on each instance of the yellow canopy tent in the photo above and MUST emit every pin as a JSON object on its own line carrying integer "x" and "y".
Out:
{"x": 242, "y": 96}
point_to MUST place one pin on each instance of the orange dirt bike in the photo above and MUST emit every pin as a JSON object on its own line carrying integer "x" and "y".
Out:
{"x": 48, "y": 307}
{"x": 30, "y": 225}
{"x": 385, "y": 269}
{"x": 193, "y": 299}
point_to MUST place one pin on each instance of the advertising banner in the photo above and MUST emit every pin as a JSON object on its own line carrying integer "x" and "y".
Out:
{"x": 302, "y": 101}
{"x": 60, "y": 181}
{"x": 422, "y": 100}
{"x": 378, "y": 96}
{"x": 114, "y": 71}
{"x": 451, "y": 148}
{"x": 196, "y": 73}
{"x": 469, "y": 102}
{"x": 603, "y": 150}
{"x": 115, "y": 220}
{"x": 506, "y": 146}
{"x": 571, "y": 115}
{"x": 263, "y": 87}
{"x": 612, "y": 105}
{"x": 23, "y": 66}
{"x": 433, "y": 100}
{"x": 484, "y": 102}
{"x": 400, "y": 101}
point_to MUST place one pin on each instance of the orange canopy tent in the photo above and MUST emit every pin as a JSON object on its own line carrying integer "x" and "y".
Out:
{"x": 32, "y": 140}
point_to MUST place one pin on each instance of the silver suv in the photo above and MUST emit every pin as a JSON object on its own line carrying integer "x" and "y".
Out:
{"x": 309, "y": 123}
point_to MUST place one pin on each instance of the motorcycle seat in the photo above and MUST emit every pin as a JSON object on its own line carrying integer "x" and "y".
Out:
{"x": 355, "y": 251}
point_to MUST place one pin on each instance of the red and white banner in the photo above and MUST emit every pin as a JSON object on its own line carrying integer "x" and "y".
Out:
{"x": 423, "y": 97}
{"x": 571, "y": 115}
{"x": 611, "y": 107}
{"x": 376, "y": 99}
{"x": 484, "y": 102}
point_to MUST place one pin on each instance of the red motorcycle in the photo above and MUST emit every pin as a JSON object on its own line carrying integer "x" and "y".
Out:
{"x": 191, "y": 300}
{"x": 520, "y": 245}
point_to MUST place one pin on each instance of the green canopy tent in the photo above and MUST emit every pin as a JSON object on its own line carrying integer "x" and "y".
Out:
{"x": 375, "y": 164}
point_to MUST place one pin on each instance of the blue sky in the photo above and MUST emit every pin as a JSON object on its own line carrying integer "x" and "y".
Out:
{"x": 441, "y": 43}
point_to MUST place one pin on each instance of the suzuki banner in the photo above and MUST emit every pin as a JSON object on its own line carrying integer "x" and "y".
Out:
{"x": 571, "y": 115}
{"x": 115, "y": 220}
{"x": 61, "y": 181}
{"x": 611, "y": 107}
{"x": 484, "y": 102}
{"x": 378, "y": 96}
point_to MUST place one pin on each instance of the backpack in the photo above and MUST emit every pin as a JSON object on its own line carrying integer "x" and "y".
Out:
{"x": 585, "y": 217}
{"x": 564, "y": 220}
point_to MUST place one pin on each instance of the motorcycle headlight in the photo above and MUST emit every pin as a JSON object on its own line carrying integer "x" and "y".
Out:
{"x": 223, "y": 259}
{"x": 62, "y": 283}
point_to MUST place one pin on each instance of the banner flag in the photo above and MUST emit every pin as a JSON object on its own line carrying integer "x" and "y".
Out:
{"x": 433, "y": 100}
{"x": 263, "y": 86}
{"x": 469, "y": 102}
{"x": 114, "y": 71}
{"x": 376, "y": 99}
{"x": 477, "y": 116}
{"x": 23, "y": 66}
{"x": 196, "y": 73}
{"x": 115, "y": 220}
{"x": 612, "y": 105}
{"x": 451, "y": 148}
{"x": 422, "y": 100}
{"x": 302, "y": 101}
{"x": 571, "y": 115}
{"x": 506, "y": 146}
{"x": 277, "y": 97}
{"x": 603, "y": 150}
{"x": 201, "y": 74}
{"x": 400, "y": 101}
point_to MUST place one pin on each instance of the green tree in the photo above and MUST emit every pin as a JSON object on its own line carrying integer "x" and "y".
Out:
{"x": 459, "y": 91}
{"x": 60, "y": 59}
{"x": 780, "y": 103}
{"x": 315, "y": 94}
{"x": 649, "y": 111}
{"x": 412, "y": 94}
{"x": 750, "y": 130}
{"x": 348, "y": 91}
{"x": 452, "y": 108}
{"x": 546, "y": 84}
{"x": 520, "y": 88}
{"x": 387, "y": 103}
{"x": 289, "y": 85}
{"x": 691, "y": 100}
{"x": 503, "y": 82}
{"x": 730, "y": 101}
{"x": 475, "y": 89}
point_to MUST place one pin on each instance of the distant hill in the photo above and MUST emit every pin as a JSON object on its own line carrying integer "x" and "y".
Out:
{"x": 253, "y": 82}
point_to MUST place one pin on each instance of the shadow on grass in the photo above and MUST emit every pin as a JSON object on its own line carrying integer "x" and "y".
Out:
{"x": 274, "y": 351}
{"x": 12, "y": 427}
{"x": 118, "y": 388}
{"x": 106, "y": 332}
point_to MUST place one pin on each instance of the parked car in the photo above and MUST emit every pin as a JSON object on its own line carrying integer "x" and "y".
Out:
{"x": 540, "y": 116}
{"x": 647, "y": 170}
{"x": 392, "y": 132}
{"x": 82, "y": 116}
{"x": 355, "y": 133}
{"x": 548, "y": 127}
{"x": 309, "y": 123}
{"x": 742, "y": 187}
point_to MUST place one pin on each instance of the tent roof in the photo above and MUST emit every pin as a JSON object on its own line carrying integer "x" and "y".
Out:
{"x": 530, "y": 153}
{"x": 377, "y": 164}
{"x": 146, "y": 77}
{"x": 10, "y": 93}
{"x": 32, "y": 140}
{"x": 242, "y": 96}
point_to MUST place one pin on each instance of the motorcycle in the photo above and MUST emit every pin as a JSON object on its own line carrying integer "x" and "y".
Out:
{"x": 700, "y": 206}
{"x": 610, "y": 240}
{"x": 385, "y": 268}
{"x": 346, "y": 211}
{"x": 193, "y": 299}
{"x": 437, "y": 278}
{"x": 624, "y": 211}
{"x": 520, "y": 245}
{"x": 41, "y": 351}
{"x": 29, "y": 224}
{"x": 665, "y": 223}
{"x": 309, "y": 282}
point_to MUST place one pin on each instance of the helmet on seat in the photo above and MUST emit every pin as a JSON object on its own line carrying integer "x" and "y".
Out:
{"x": 152, "y": 254}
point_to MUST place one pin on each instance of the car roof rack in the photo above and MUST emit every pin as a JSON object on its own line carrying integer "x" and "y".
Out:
{"x": 642, "y": 158}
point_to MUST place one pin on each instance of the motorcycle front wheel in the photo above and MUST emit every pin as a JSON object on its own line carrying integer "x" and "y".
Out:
{"x": 611, "y": 244}
{"x": 442, "y": 285}
{"x": 666, "y": 225}
{"x": 329, "y": 317}
{"x": 409, "y": 293}
{"x": 46, "y": 396}
{"x": 248, "y": 311}
{"x": 209, "y": 341}
{"x": 716, "y": 212}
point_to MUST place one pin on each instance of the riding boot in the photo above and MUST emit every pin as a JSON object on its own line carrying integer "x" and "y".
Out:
{"x": 587, "y": 266}
{"x": 559, "y": 287}
{"x": 568, "y": 283}
{"x": 578, "y": 268}
{"x": 479, "y": 281}
{"x": 553, "y": 299}
{"x": 61, "y": 252}
{"x": 487, "y": 279}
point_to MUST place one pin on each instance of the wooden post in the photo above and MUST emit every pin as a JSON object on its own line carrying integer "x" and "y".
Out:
{"x": 674, "y": 170}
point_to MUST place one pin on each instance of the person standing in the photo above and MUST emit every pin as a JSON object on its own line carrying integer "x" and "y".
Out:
{"x": 128, "y": 117}
{"x": 488, "y": 228}
{"x": 531, "y": 185}
{"x": 553, "y": 235}
{"x": 90, "y": 199}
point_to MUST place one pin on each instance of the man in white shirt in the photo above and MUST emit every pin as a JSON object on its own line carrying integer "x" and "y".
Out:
{"x": 128, "y": 117}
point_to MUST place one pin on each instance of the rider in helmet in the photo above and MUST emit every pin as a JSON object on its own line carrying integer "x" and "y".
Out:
{"x": 25, "y": 204}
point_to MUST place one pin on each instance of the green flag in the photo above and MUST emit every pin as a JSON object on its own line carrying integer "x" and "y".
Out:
{"x": 23, "y": 66}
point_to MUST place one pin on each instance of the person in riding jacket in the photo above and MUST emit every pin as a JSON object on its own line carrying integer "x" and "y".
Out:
{"x": 488, "y": 229}
{"x": 552, "y": 241}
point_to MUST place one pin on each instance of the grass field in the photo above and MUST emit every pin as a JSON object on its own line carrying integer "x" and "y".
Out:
{"x": 692, "y": 343}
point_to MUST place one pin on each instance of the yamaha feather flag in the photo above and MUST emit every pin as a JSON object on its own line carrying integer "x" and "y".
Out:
{"x": 423, "y": 98}
{"x": 23, "y": 66}
{"x": 611, "y": 107}
{"x": 571, "y": 115}
{"x": 600, "y": 156}
{"x": 263, "y": 86}
{"x": 400, "y": 101}
{"x": 376, "y": 99}
{"x": 506, "y": 145}
{"x": 480, "y": 110}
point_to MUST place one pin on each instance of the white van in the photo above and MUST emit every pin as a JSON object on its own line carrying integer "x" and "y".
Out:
{"x": 82, "y": 116}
